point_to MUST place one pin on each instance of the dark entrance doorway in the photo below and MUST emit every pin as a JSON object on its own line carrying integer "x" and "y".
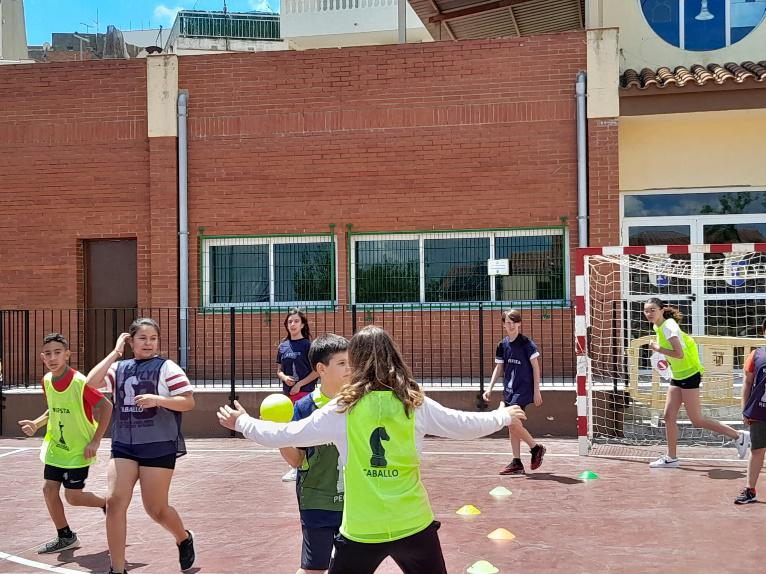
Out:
{"x": 111, "y": 294}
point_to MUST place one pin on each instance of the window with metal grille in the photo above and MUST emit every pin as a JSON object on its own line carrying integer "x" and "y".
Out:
{"x": 451, "y": 267}
{"x": 264, "y": 271}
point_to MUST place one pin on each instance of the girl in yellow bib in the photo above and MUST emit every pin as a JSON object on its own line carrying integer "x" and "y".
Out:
{"x": 683, "y": 357}
{"x": 378, "y": 422}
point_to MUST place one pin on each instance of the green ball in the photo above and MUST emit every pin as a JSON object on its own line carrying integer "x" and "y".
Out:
{"x": 277, "y": 408}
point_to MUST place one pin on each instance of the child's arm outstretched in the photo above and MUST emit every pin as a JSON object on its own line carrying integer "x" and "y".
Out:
{"x": 323, "y": 426}
{"x": 98, "y": 373}
{"x": 29, "y": 428}
{"x": 496, "y": 374}
{"x": 449, "y": 423}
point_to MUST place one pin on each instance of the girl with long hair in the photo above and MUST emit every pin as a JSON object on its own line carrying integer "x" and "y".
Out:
{"x": 294, "y": 369}
{"x": 377, "y": 422}
{"x": 684, "y": 389}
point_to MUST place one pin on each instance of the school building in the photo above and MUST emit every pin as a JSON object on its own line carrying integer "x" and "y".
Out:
{"x": 373, "y": 184}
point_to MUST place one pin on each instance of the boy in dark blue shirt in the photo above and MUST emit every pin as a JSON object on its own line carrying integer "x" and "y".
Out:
{"x": 516, "y": 361}
{"x": 320, "y": 480}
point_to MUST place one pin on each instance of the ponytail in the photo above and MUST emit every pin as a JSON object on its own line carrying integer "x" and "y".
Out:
{"x": 668, "y": 312}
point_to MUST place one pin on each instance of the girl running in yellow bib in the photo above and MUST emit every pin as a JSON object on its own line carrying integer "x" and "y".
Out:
{"x": 378, "y": 422}
{"x": 684, "y": 389}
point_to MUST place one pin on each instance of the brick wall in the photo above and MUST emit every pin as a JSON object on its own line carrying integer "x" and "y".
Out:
{"x": 603, "y": 182}
{"x": 449, "y": 135}
{"x": 477, "y": 134}
{"x": 74, "y": 167}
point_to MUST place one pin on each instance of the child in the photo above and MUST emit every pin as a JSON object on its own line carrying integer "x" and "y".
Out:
{"x": 754, "y": 414}
{"x": 516, "y": 361}
{"x": 378, "y": 422}
{"x": 77, "y": 418}
{"x": 150, "y": 392}
{"x": 320, "y": 482}
{"x": 295, "y": 372}
{"x": 681, "y": 353}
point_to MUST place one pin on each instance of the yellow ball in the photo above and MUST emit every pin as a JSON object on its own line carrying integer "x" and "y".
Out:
{"x": 277, "y": 408}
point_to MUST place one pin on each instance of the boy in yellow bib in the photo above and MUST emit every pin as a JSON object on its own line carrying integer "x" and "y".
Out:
{"x": 77, "y": 418}
{"x": 378, "y": 422}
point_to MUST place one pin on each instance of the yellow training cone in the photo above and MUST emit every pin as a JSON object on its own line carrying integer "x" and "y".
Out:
{"x": 468, "y": 510}
{"x": 500, "y": 491}
{"x": 501, "y": 534}
{"x": 482, "y": 567}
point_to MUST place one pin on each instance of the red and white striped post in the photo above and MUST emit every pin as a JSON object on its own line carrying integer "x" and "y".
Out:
{"x": 581, "y": 319}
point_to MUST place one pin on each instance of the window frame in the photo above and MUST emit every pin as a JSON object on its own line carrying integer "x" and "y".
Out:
{"x": 491, "y": 234}
{"x": 205, "y": 272}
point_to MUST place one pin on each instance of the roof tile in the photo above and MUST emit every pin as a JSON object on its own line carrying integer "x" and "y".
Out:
{"x": 697, "y": 74}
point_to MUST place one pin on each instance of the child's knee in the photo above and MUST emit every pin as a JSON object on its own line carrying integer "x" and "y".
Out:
{"x": 156, "y": 512}
{"x": 51, "y": 488}
{"x": 117, "y": 502}
{"x": 73, "y": 496}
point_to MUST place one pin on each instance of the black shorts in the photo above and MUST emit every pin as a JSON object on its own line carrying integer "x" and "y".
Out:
{"x": 71, "y": 478}
{"x": 416, "y": 554}
{"x": 692, "y": 382}
{"x": 757, "y": 435}
{"x": 167, "y": 461}
{"x": 317, "y": 548}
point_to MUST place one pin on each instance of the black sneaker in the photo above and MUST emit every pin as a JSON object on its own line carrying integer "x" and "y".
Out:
{"x": 516, "y": 467}
{"x": 186, "y": 552}
{"x": 746, "y": 496}
{"x": 113, "y": 572}
{"x": 59, "y": 544}
{"x": 537, "y": 452}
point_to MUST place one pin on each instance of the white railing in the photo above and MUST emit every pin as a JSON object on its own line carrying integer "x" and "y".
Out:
{"x": 318, "y": 6}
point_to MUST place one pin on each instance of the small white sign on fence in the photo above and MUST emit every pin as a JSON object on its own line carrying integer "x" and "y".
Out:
{"x": 498, "y": 267}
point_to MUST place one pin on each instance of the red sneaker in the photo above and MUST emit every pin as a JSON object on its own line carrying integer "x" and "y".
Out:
{"x": 516, "y": 467}
{"x": 537, "y": 452}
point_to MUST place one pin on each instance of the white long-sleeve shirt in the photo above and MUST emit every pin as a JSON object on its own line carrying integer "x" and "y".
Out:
{"x": 327, "y": 425}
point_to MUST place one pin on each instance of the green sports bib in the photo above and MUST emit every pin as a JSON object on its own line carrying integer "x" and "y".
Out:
{"x": 69, "y": 431}
{"x": 690, "y": 364}
{"x": 385, "y": 499}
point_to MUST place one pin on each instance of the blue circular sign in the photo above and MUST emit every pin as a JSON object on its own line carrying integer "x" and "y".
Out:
{"x": 701, "y": 25}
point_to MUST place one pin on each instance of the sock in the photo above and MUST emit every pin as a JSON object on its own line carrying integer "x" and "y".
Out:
{"x": 65, "y": 532}
{"x": 516, "y": 460}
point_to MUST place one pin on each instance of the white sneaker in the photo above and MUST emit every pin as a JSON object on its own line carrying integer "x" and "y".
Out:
{"x": 664, "y": 462}
{"x": 291, "y": 475}
{"x": 742, "y": 443}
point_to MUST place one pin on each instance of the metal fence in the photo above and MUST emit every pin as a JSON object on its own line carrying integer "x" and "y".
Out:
{"x": 446, "y": 346}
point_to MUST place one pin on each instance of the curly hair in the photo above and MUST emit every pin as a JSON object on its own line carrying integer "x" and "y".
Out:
{"x": 377, "y": 365}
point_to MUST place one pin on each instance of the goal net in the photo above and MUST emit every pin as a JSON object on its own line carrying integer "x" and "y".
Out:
{"x": 721, "y": 292}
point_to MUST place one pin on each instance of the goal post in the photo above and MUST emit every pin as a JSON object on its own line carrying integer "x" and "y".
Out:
{"x": 720, "y": 290}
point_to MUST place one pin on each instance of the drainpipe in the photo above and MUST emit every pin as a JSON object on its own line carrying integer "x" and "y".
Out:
{"x": 582, "y": 162}
{"x": 401, "y": 19}
{"x": 183, "y": 232}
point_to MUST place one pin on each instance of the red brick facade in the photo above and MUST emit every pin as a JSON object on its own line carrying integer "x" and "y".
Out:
{"x": 442, "y": 136}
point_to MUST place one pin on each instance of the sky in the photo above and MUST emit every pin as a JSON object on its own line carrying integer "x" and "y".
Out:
{"x": 43, "y": 17}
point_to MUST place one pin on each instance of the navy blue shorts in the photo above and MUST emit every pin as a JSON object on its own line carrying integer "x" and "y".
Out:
{"x": 516, "y": 399}
{"x": 317, "y": 547}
